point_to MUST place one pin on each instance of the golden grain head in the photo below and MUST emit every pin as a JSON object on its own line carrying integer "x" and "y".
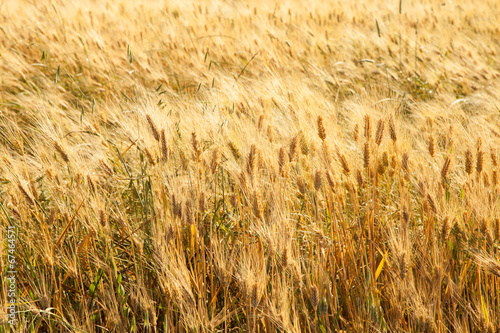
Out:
{"x": 293, "y": 149}
{"x": 380, "y": 132}
{"x": 368, "y": 130}
{"x": 479, "y": 161}
{"x": 366, "y": 156}
{"x": 392, "y": 130}
{"x": 321, "y": 129}
{"x": 153, "y": 128}
{"x": 431, "y": 146}
{"x": 468, "y": 162}
{"x": 446, "y": 167}
{"x": 355, "y": 133}
{"x": 314, "y": 297}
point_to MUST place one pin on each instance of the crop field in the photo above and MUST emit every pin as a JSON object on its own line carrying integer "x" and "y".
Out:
{"x": 236, "y": 166}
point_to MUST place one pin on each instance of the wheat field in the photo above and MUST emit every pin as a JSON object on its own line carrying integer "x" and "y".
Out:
{"x": 266, "y": 166}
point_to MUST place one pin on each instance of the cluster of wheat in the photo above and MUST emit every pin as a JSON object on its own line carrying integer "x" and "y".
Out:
{"x": 315, "y": 167}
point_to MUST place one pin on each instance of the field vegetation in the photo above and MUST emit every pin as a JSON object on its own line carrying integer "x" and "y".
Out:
{"x": 265, "y": 166}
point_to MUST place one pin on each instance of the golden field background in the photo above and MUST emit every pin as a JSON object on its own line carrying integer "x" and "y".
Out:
{"x": 233, "y": 166}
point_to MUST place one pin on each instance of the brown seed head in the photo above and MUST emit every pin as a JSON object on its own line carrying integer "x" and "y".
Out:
{"x": 445, "y": 229}
{"x": 318, "y": 180}
{"x": 304, "y": 147}
{"x": 445, "y": 168}
{"x": 343, "y": 163}
{"x": 380, "y": 132}
{"x": 270, "y": 133}
{"x": 149, "y": 156}
{"x": 468, "y": 162}
{"x": 402, "y": 262}
{"x": 153, "y": 128}
{"x": 496, "y": 230}
{"x": 314, "y": 297}
{"x": 406, "y": 216}
{"x": 234, "y": 150}
{"x": 421, "y": 189}
{"x": 368, "y": 129}
{"x": 432, "y": 205}
{"x": 380, "y": 168}
{"x": 25, "y": 193}
{"x": 257, "y": 208}
{"x": 106, "y": 167}
{"x": 251, "y": 162}
{"x": 103, "y": 219}
{"x": 196, "y": 147}
{"x": 164, "y": 148}
{"x": 359, "y": 178}
{"x": 90, "y": 184}
{"x": 61, "y": 151}
{"x": 494, "y": 157}
{"x": 254, "y": 297}
{"x": 282, "y": 160}
{"x": 284, "y": 259}
{"x": 355, "y": 133}
{"x": 321, "y": 129}
{"x": 301, "y": 185}
{"x": 366, "y": 155}
{"x": 215, "y": 160}
{"x": 261, "y": 122}
{"x": 176, "y": 207}
{"x": 479, "y": 161}
{"x": 483, "y": 226}
{"x": 293, "y": 148}
{"x": 431, "y": 146}
{"x": 404, "y": 162}
{"x": 385, "y": 159}
{"x": 201, "y": 203}
{"x": 392, "y": 130}
{"x": 329, "y": 177}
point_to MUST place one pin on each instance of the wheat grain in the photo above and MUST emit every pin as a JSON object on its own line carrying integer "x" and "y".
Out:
{"x": 379, "y": 134}
{"x": 445, "y": 168}
{"x": 234, "y": 150}
{"x": 355, "y": 133}
{"x": 26, "y": 195}
{"x": 368, "y": 130}
{"x": 431, "y": 146}
{"x": 196, "y": 147}
{"x": 366, "y": 156}
{"x": 479, "y": 161}
{"x": 153, "y": 128}
{"x": 321, "y": 129}
{"x": 318, "y": 180}
{"x": 468, "y": 162}
{"x": 392, "y": 130}
{"x": 251, "y": 161}
{"x": 293, "y": 149}
{"x": 61, "y": 151}
{"x": 314, "y": 297}
{"x": 164, "y": 147}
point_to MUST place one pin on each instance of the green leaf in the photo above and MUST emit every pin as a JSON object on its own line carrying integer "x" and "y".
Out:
{"x": 58, "y": 73}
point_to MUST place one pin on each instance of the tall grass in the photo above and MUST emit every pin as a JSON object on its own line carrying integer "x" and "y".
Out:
{"x": 221, "y": 167}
